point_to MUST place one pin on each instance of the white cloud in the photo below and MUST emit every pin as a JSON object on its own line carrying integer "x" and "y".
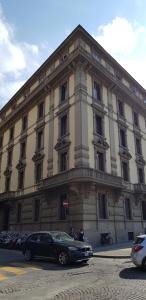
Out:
{"x": 126, "y": 42}
{"x": 17, "y": 60}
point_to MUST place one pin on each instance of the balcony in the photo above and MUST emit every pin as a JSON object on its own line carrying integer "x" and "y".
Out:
{"x": 82, "y": 175}
{"x": 140, "y": 188}
{"x": 7, "y": 196}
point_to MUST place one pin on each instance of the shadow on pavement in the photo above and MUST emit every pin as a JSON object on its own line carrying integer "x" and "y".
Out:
{"x": 133, "y": 273}
{"x": 42, "y": 264}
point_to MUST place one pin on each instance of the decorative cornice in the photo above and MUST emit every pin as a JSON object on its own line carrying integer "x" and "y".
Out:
{"x": 98, "y": 106}
{"x": 40, "y": 123}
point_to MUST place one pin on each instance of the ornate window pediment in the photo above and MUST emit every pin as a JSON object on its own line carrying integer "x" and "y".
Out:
{"x": 62, "y": 143}
{"x": 100, "y": 142}
{"x": 140, "y": 160}
{"x": 37, "y": 156}
{"x": 20, "y": 165}
{"x": 125, "y": 153}
{"x": 7, "y": 172}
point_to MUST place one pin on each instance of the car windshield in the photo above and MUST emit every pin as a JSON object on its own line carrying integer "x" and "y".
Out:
{"x": 61, "y": 236}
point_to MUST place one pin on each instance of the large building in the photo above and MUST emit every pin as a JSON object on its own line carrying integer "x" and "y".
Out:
{"x": 73, "y": 146}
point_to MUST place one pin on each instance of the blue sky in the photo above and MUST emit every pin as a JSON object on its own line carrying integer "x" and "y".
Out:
{"x": 30, "y": 31}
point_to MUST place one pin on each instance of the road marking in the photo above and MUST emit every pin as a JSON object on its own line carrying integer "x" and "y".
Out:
{"x": 3, "y": 277}
{"x": 16, "y": 271}
{"x": 26, "y": 266}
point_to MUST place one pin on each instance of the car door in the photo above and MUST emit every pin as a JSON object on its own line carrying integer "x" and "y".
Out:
{"x": 33, "y": 243}
{"x": 46, "y": 245}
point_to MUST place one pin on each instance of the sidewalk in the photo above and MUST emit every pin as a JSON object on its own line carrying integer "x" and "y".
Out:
{"x": 121, "y": 250}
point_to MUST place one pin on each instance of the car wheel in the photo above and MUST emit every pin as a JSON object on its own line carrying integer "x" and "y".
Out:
{"x": 63, "y": 258}
{"x": 27, "y": 255}
{"x": 85, "y": 261}
{"x": 144, "y": 263}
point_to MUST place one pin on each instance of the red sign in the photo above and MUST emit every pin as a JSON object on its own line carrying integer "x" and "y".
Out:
{"x": 65, "y": 204}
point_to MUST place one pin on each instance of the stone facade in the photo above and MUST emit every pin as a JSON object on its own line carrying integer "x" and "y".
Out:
{"x": 73, "y": 147}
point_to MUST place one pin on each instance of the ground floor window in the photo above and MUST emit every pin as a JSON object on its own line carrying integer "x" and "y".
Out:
{"x": 143, "y": 204}
{"x": 128, "y": 210}
{"x": 36, "y": 210}
{"x": 19, "y": 212}
{"x": 102, "y": 205}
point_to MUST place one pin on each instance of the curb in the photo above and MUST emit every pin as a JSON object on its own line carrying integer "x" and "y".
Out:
{"x": 111, "y": 256}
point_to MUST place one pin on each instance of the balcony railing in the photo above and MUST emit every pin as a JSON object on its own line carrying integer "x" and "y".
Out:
{"x": 83, "y": 175}
{"x": 140, "y": 188}
{"x": 7, "y": 196}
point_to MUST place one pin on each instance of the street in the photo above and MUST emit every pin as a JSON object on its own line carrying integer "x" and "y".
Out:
{"x": 101, "y": 278}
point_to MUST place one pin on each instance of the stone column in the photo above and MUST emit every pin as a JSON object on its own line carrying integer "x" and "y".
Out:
{"x": 81, "y": 118}
{"x": 112, "y": 134}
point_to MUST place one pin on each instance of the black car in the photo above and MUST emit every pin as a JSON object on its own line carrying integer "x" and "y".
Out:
{"x": 56, "y": 245}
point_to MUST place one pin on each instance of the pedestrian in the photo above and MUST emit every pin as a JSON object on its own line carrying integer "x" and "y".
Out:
{"x": 81, "y": 235}
{"x": 72, "y": 233}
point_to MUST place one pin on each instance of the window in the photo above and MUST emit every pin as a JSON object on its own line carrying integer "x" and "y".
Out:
{"x": 63, "y": 125}
{"x": 100, "y": 161}
{"x": 63, "y": 161}
{"x": 9, "y": 161}
{"x": 22, "y": 150}
{"x": 125, "y": 171}
{"x": 135, "y": 119}
{"x": 63, "y": 210}
{"x": 7, "y": 183}
{"x": 46, "y": 238}
{"x": 102, "y": 201}
{"x": 38, "y": 172}
{"x": 19, "y": 212}
{"x": 34, "y": 238}
{"x": 121, "y": 108}
{"x": 11, "y": 136}
{"x": 1, "y": 141}
{"x": 40, "y": 140}
{"x": 63, "y": 92}
{"x": 41, "y": 110}
{"x": 99, "y": 129}
{"x": 0, "y": 162}
{"x": 138, "y": 146}
{"x": 21, "y": 179}
{"x": 128, "y": 209}
{"x": 24, "y": 123}
{"x": 140, "y": 174}
{"x": 122, "y": 138}
{"x": 143, "y": 204}
{"x": 36, "y": 210}
{"x": 96, "y": 91}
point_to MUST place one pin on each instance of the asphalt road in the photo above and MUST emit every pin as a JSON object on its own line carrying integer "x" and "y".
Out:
{"x": 101, "y": 278}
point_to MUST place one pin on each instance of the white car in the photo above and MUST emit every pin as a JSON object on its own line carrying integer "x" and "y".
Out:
{"x": 138, "y": 253}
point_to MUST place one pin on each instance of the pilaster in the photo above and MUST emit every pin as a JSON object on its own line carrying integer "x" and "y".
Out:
{"x": 81, "y": 118}
{"x": 51, "y": 134}
{"x": 112, "y": 134}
